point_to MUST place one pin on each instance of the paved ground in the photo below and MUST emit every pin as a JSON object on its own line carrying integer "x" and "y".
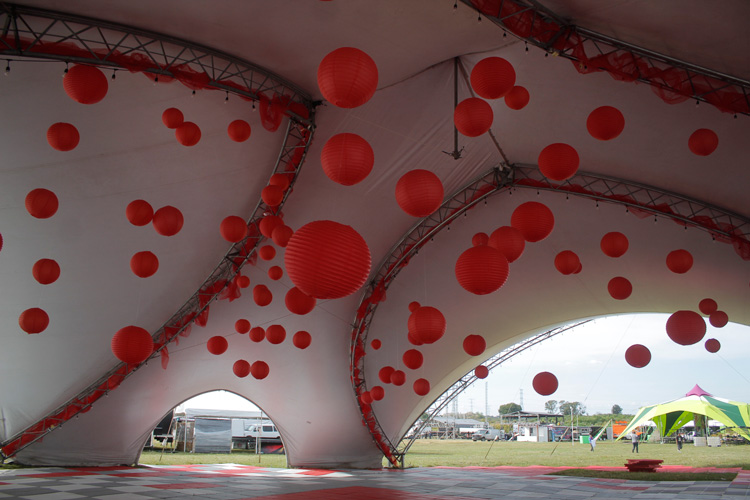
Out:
{"x": 235, "y": 482}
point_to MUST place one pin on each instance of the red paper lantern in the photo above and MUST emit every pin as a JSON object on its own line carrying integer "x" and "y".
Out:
{"x": 492, "y": 77}
{"x": 233, "y": 229}
{"x": 281, "y": 180}
{"x": 242, "y": 326}
{"x": 272, "y": 195}
{"x": 474, "y": 345}
{"x": 327, "y": 260}
{"x": 267, "y": 252}
{"x": 34, "y": 320}
{"x": 708, "y": 306}
{"x": 605, "y": 123}
{"x": 275, "y": 273}
{"x": 298, "y": 302}
{"x": 517, "y": 98}
{"x": 347, "y": 77}
{"x": 172, "y": 118}
{"x": 558, "y": 161}
{"x": 217, "y": 345}
{"x": 385, "y": 374}
{"x": 427, "y": 324}
{"x": 398, "y": 378}
{"x": 377, "y": 393}
{"x": 1, "y": 241}
{"x": 376, "y": 344}
{"x": 139, "y": 212}
{"x": 509, "y": 241}
{"x": 638, "y": 355}
{"x": 679, "y": 261}
{"x": 46, "y": 271}
{"x": 243, "y": 281}
{"x": 419, "y": 192}
{"x": 275, "y": 334}
{"x": 366, "y": 398}
{"x": 41, "y": 203}
{"x": 168, "y": 221}
{"x": 712, "y": 345}
{"x": 260, "y": 370}
{"x": 619, "y": 288}
{"x": 567, "y": 262}
{"x": 239, "y": 130}
{"x": 481, "y": 270}
{"x": 481, "y": 371}
{"x": 188, "y": 134}
{"x": 268, "y": 223}
{"x": 144, "y": 264}
{"x": 421, "y": 387}
{"x": 262, "y": 295}
{"x": 241, "y": 368}
{"x": 534, "y": 220}
{"x": 686, "y": 327}
{"x": 281, "y": 235}
{"x": 132, "y": 345}
{"x": 63, "y": 136}
{"x": 414, "y": 305}
{"x": 347, "y": 159}
{"x": 257, "y": 334}
{"x": 301, "y": 339}
{"x": 614, "y": 244}
{"x": 703, "y": 142}
{"x": 718, "y": 319}
{"x": 473, "y": 117}
{"x": 544, "y": 383}
{"x": 480, "y": 239}
{"x": 412, "y": 359}
{"x": 85, "y": 84}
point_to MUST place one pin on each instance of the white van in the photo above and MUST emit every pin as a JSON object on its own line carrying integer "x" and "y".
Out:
{"x": 265, "y": 431}
{"x": 487, "y": 435}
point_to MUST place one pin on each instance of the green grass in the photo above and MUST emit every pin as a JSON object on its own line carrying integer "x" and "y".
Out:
{"x": 236, "y": 457}
{"x": 648, "y": 476}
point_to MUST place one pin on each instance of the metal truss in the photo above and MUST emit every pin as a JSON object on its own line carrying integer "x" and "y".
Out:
{"x": 549, "y": 31}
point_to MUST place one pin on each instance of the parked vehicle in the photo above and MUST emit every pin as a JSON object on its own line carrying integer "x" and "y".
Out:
{"x": 265, "y": 431}
{"x": 487, "y": 435}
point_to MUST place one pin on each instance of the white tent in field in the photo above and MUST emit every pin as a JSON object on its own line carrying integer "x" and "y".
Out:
{"x": 65, "y": 198}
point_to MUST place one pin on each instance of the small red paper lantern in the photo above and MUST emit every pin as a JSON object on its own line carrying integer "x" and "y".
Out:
{"x": 242, "y": 326}
{"x": 638, "y": 355}
{"x": 686, "y": 327}
{"x": 262, "y": 295}
{"x": 398, "y": 377}
{"x": 268, "y": 223}
{"x": 421, "y": 387}
{"x": 708, "y": 306}
{"x": 168, "y": 221}
{"x": 492, "y": 77}
{"x": 385, "y": 374}
{"x": 474, "y": 345}
{"x": 427, "y": 324}
{"x": 139, "y": 212}
{"x": 366, "y": 398}
{"x": 480, "y": 239}
{"x": 327, "y": 260}
{"x": 703, "y": 142}
{"x": 275, "y": 273}
{"x": 614, "y": 244}
{"x": 267, "y": 252}
{"x": 534, "y": 220}
{"x": 281, "y": 235}
{"x": 46, "y": 271}
{"x": 239, "y": 130}
{"x": 376, "y": 344}
{"x": 41, "y": 203}
{"x": 718, "y": 319}
{"x": 347, "y": 77}
{"x": 377, "y": 393}
{"x": 172, "y": 118}
{"x": 619, "y": 288}
{"x": 298, "y": 302}
{"x": 188, "y": 134}
{"x": 544, "y": 383}
{"x": 217, "y": 345}
{"x": 85, "y": 84}
{"x": 509, "y": 241}
{"x": 567, "y": 262}
{"x": 132, "y": 345}
{"x": 144, "y": 264}
{"x": 481, "y": 270}
{"x": 301, "y": 339}
{"x": 281, "y": 180}
{"x": 241, "y": 368}
{"x": 517, "y": 98}
{"x": 419, "y": 192}
{"x": 712, "y": 345}
{"x": 347, "y": 159}
{"x": 679, "y": 261}
{"x": 233, "y": 229}
{"x": 473, "y": 117}
{"x": 34, "y": 320}
{"x": 275, "y": 334}
{"x": 558, "y": 161}
{"x": 481, "y": 371}
{"x": 63, "y": 136}
{"x": 243, "y": 281}
{"x": 414, "y": 305}
{"x": 257, "y": 334}
{"x": 412, "y": 359}
{"x": 260, "y": 370}
{"x": 605, "y": 123}
{"x": 272, "y": 195}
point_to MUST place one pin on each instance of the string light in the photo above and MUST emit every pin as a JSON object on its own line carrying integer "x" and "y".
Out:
{"x": 114, "y": 75}
{"x": 226, "y": 99}
{"x": 7, "y": 67}
{"x": 65, "y": 72}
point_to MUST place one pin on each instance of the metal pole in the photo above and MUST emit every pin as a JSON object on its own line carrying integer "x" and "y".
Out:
{"x": 572, "y": 442}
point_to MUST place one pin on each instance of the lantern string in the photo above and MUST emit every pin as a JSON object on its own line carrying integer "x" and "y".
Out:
{"x": 732, "y": 367}
{"x": 601, "y": 372}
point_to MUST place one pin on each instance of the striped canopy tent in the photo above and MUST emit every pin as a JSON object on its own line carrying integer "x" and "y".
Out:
{"x": 672, "y": 415}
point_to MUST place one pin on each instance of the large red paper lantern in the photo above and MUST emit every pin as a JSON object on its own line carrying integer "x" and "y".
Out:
{"x": 419, "y": 192}
{"x": 347, "y": 77}
{"x": 558, "y": 161}
{"x": 421, "y": 387}
{"x": 132, "y": 345}
{"x": 534, "y": 220}
{"x": 172, "y": 118}
{"x": 703, "y": 142}
{"x": 168, "y": 221}
{"x": 605, "y": 123}
{"x": 398, "y": 377}
{"x": 34, "y": 320}
{"x": 638, "y": 355}
{"x": 139, "y": 212}
{"x": 614, "y": 244}
{"x": 718, "y": 319}
{"x": 241, "y": 368}
{"x": 239, "y": 130}
{"x": 327, "y": 260}
{"x": 427, "y": 324}
{"x": 412, "y": 359}
{"x": 41, "y": 203}
{"x": 509, "y": 241}
{"x": 492, "y": 77}
{"x": 712, "y": 345}
{"x": 268, "y": 223}
{"x": 63, "y": 136}
{"x": 281, "y": 235}
{"x": 708, "y": 306}
{"x": 567, "y": 262}
{"x": 481, "y": 270}
{"x": 377, "y": 393}
{"x": 473, "y": 117}
{"x": 517, "y": 98}
{"x": 298, "y": 302}
{"x": 217, "y": 345}
{"x": 46, "y": 271}
{"x": 347, "y": 159}
{"x": 385, "y": 373}
{"x": 242, "y": 326}
{"x": 257, "y": 334}
{"x": 267, "y": 252}
{"x": 144, "y": 264}
{"x": 301, "y": 339}
{"x": 679, "y": 261}
{"x": 686, "y": 327}
{"x": 260, "y": 370}
{"x": 233, "y": 228}
{"x": 272, "y": 195}
{"x": 275, "y": 334}
{"x": 481, "y": 371}
{"x": 85, "y": 84}
{"x": 474, "y": 345}
{"x": 188, "y": 134}
{"x": 619, "y": 288}
{"x": 262, "y": 295}
{"x": 544, "y": 383}
{"x": 275, "y": 273}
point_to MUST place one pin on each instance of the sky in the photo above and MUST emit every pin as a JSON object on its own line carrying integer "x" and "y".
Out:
{"x": 589, "y": 363}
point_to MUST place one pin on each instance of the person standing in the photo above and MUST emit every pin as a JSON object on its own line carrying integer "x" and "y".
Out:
{"x": 634, "y": 440}
{"x": 679, "y": 440}
{"x": 592, "y": 441}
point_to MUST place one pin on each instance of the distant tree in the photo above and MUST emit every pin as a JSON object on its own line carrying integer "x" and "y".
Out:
{"x": 551, "y": 406}
{"x": 616, "y": 410}
{"x": 509, "y": 408}
{"x": 566, "y": 407}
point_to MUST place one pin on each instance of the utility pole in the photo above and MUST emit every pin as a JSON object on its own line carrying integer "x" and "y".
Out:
{"x": 521, "y": 397}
